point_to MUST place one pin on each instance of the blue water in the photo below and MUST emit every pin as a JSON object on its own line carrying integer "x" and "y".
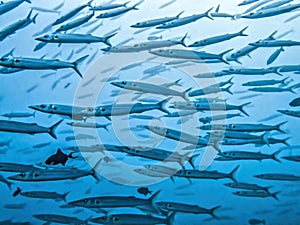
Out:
{"x": 16, "y": 96}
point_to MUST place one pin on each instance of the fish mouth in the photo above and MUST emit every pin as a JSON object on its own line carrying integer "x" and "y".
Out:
{"x": 106, "y": 49}
{"x": 39, "y": 39}
{"x": 34, "y": 107}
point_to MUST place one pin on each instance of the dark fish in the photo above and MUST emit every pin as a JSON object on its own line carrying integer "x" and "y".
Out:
{"x": 256, "y": 221}
{"x": 59, "y": 158}
{"x": 295, "y": 102}
{"x": 17, "y": 192}
{"x": 144, "y": 191}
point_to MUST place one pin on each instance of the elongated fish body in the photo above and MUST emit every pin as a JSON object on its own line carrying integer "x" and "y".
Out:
{"x": 185, "y": 208}
{"x": 210, "y": 75}
{"x": 290, "y": 112}
{"x": 27, "y": 128}
{"x": 124, "y": 109}
{"x": 148, "y": 88}
{"x": 130, "y": 219}
{"x": 75, "y": 23}
{"x": 219, "y": 14}
{"x": 271, "y": 12}
{"x": 114, "y": 201}
{"x": 88, "y": 125}
{"x": 7, "y": 6}
{"x": 12, "y": 28}
{"x": 18, "y": 115}
{"x": 40, "y": 64}
{"x": 210, "y": 106}
{"x": 215, "y": 175}
{"x": 295, "y": 158}
{"x": 252, "y": 71}
{"x": 246, "y": 155}
{"x": 155, "y": 22}
{"x": 64, "y": 110}
{"x": 174, "y": 134}
{"x": 7, "y": 70}
{"x": 271, "y": 89}
{"x": 209, "y": 90}
{"x": 247, "y": 186}
{"x": 15, "y": 167}
{"x": 74, "y": 38}
{"x": 287, "y": 68}
{"x": 218, "y": 39}
{"x": 264, "y": 82}
{"x": 241, "y": 135}
{"x": 144, "y": 46}
{"x": 108, "y": 6}
{"x": 278, "y": 176}
{"x": 244, "y": 127}
{"x": 275, "y": 43}
{"x": 230, "y": 141}
{"x": 152, "y": 173}
{"x": 71, "y": 13}
{"x": 240, "y": 53}
{"x": 52, "y": 175}
{"x": 208, "y": 119}
{"x": 274, "y": 55}
{"x": 45, "y": 195}
{"x": 274, "y": 5}
{"x": 116, "y": 12}
{"x": 55, "y": 218}
{"x": 259, "y": 194}
{"x": 247, "y": 2}
{"x": 184, "y": 20}
{"x": 189, "y": 54}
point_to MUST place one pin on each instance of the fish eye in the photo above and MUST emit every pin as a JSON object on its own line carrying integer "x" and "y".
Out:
{"x": 84, "y": 200}
{"x": 138, "y": 23}
{"x": 136, "y": 45}
{"x": 97, "y": 201}
{"x": 35, "y": 174}
{"x": 46, "y": 36}
{"x": 169, "y": 205}
{"x": 137, "y": 151}
{"x": 233, "y": 154}
{"x": 116, "y": 218}
{"x": 104, "y": 217}
{"x": 188, "y": 173}
{"x": 43, "y": 106}
{"x": 22, "y": 174}
{"x": 124, "y": 82}
{"x": 102, "y": 109}
{"x": 54, "y": 107}
{"x": 17, "y": 60}
{"x": 55, "y": 36}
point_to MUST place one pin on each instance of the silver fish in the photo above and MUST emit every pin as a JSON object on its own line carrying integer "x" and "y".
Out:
{"x": 260, "y": 194}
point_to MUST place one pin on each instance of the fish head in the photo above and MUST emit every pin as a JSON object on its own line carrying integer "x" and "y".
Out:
{"x": 139, "y": 24}
{"x": 121, "y": 84}
{"x": 157, "y": 129}
{"x": 101, "y": 220}
{"x": 231, "y": 184}
{"x": 85, "y": 202}
{"x": 8, "y": 61}
{"x": 46, "y": 37}
{"x": 205, "y": 127}
{"x": 44, "y": 107}
{"x": 162, "y": 52}
{"x": 45, "y": 217}
{"x": 23, "y": 176}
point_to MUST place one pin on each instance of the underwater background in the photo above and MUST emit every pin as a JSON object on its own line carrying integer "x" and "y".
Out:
{"x": 33, "y": 87}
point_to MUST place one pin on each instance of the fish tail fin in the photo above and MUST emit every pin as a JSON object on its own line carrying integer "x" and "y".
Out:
{"x": 265, "y": 137}
{"x": 33, "y": 19}
{"x": 291, "y": 88}
{"x": 65, "y": 196}
{"x": 182, "y": 41}
{"x": 275, "y": 156}
{"x": 263, "y": 222}
{"x": 185, "y": 95}
{"x": 105, "y": 126}
{"x": 207, "y": 13}
{"x": 228, "y": 89}
{"x": 76, "y": 64}
{"x": 29, "y": 14}
{"x": 89, "y": 3}
{"x": 33, "y": 114}
{"x": 179, "y": 14}
{"x": 126, "y": 3}
{"x": 233, "y": 172}
{"x": 241, "y": 108}
{"x": 212, "y": 211}
{"x": 135, "y": 6}
{"x": 278, "y": 127}
{"x": 107, "y": 39}
{"x": 274, "y": 195}
{"x": 27, "y": 1}
{"x": 192, "y": 160}
{"x": 241, "y": 32}
{"x": 283, "y": 81}
{"x": 152, "y": 199}
{"x": 284, "y": 141}
{"x": 93, "y": 172}
{"x": 162, "y": 105}
{"x": 170, "y": 218}
{"x": 222, "y": 56}
{"x": 53, "y": 128}
{"x": 230, "y": 80}
{"x": 177, "y": 82}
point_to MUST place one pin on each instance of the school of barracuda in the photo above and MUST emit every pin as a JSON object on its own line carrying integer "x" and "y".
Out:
{"x": 46, "y": 49}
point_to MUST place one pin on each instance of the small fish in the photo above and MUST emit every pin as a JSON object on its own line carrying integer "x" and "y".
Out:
{"x": 144, "y": 191}
{"x": 45, "y": 195}
{"x": 32, "y": 88}
{"x": 295, "y": 102}
{"x": 167, "y": 4}
{"x": 18, "y": 115}
{"x": 55, "y": 218}
{"x": 259, "y": 194}
{"x": 59, "y": 158}
{"x": 274, "y": 55}
{"x": 41, "y": 145}
{"x": 256, "y": 222}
